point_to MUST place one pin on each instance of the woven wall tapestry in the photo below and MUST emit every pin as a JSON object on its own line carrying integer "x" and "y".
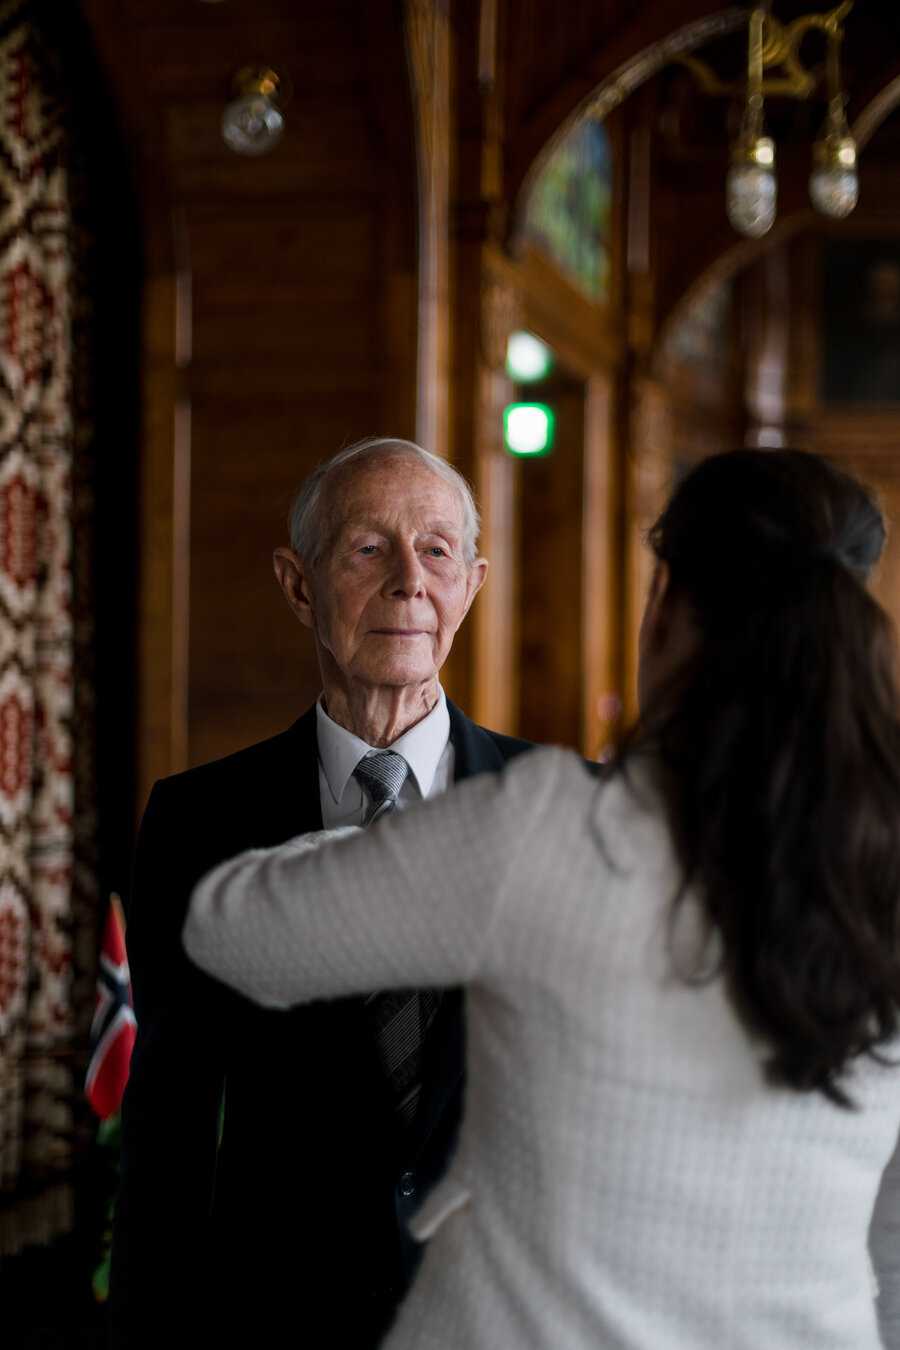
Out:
{"x": 44, "y": 992}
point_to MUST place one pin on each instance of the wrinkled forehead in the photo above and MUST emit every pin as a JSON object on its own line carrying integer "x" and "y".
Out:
{"x": 387, "y": 487}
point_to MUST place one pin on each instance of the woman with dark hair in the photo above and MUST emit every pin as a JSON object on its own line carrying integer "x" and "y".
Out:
{"x": 683, "y": 985}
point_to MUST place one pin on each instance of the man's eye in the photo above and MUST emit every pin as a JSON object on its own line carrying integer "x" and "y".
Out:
{"x": 436, "y": 551}
{"x": 368, "y": 549}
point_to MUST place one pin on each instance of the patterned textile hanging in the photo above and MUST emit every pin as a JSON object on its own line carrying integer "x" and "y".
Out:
{"x": 41, "y": 928}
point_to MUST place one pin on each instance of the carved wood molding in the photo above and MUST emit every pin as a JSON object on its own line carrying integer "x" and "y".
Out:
{"x": 501, "y": 314}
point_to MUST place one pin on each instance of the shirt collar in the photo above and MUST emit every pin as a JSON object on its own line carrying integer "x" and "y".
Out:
{"x": 422, "y": 746}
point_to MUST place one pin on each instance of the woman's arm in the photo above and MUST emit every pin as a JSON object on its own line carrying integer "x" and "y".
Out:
{"x": 411, "y": 901}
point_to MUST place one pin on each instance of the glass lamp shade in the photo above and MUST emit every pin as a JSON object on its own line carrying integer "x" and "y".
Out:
{"x": 834, "y": 181}
{"x": 751, "y": 195}
{"x": 834, "y": 192}
{"x": 252, "y": 125}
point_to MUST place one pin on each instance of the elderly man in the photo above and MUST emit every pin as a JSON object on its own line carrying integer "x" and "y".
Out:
{"x": 271, "y": 1158}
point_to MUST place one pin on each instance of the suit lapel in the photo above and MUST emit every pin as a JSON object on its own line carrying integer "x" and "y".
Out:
{"x": 293, "y": 798}
{"x": 293, "y": 786}
{"x": 474, "y": 751}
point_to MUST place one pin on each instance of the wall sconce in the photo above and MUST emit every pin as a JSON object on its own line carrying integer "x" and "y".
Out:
{"x": 751, "y": 187}
{"x": 252, "y": 124}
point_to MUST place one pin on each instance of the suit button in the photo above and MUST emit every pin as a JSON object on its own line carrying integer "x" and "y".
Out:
{"x": 407, "y": 1183}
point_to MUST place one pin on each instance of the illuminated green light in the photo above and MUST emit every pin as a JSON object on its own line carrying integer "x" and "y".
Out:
{"x": 527, "y": 358}
{"x": 528, "y": 428}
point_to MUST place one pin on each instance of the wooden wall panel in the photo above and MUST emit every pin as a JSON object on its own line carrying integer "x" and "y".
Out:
{"x": 601, "y": 605}
{"x": 162, "y": 636}
{"x": 252, "y": 665}
{"x": 298, "y": 331}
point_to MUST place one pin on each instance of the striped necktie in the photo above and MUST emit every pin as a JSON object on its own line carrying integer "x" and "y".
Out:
{"x": 382, "y": 773}
{"x": 400, "y": 1017}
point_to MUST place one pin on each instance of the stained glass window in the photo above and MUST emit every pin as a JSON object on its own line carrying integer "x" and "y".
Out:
{"x": 700, "y": 336}
{"x": 569, "y": 209}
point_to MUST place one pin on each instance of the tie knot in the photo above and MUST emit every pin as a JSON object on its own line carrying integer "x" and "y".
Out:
{"x": 382, "y": 773}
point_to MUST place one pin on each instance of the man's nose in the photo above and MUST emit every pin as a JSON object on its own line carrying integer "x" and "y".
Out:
{"x": 405, "y": 575}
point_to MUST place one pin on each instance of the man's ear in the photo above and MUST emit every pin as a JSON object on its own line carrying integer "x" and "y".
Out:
{"x": 293, "y": 578}
{"x": 475, "y": 579}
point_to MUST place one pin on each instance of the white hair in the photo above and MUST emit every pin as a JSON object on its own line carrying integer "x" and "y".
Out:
{"x": 306, "y": 521}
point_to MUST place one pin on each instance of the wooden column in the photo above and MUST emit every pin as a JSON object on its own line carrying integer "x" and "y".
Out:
{"x": 649, "y": 471}
{"x": 162, "y": 639}
{"x": 766, "y": 291}
{"x": 495, "y": 630}
{"x": 428, "y": 48}
{"x": 481, "y": 670}
{"x": 601, "y": 678}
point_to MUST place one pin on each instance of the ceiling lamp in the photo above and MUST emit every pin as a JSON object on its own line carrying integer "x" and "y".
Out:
{"x": 253, "y": 124}
{"x": 751, "y": 187}
{"x": 834, "y": 181}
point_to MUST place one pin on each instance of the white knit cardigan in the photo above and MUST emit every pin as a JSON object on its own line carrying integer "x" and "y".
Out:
{"x": 626, "y": 1179}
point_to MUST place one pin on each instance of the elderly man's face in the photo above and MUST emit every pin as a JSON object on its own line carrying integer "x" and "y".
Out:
{"x": 391, "y": 587}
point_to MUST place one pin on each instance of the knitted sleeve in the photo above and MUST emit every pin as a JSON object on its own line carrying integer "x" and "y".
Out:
{"x": 884, "y": 1247}
{"x": 411, "y": 901}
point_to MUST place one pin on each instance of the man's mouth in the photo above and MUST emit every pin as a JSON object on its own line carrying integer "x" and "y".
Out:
{"x": 399, "y": 632}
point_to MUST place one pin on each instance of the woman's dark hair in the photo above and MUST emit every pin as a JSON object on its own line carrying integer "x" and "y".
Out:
{"x": 782, "y": 751}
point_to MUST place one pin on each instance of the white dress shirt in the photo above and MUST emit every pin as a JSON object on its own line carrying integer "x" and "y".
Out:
{"x": 426, "y": 747}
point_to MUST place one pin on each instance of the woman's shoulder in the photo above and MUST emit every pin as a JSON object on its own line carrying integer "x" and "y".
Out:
{"x": 547, "y": 766}
{"x": 631, "y": 788}
{"x": 620, "y": 802}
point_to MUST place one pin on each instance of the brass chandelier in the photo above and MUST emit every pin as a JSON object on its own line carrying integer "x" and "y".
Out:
{"x": 751, "y": 187}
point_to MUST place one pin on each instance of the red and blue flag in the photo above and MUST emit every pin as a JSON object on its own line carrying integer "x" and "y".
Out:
{"x": 113, "y": 1028}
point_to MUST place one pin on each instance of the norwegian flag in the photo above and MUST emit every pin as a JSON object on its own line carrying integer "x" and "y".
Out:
{"x": 113, "y": 1028}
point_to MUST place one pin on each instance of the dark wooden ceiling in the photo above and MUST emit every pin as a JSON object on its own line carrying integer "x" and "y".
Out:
{"x": 170, "y": 63}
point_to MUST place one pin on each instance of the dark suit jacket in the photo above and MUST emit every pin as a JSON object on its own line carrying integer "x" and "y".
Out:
{"x": 297, "y": 1218}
